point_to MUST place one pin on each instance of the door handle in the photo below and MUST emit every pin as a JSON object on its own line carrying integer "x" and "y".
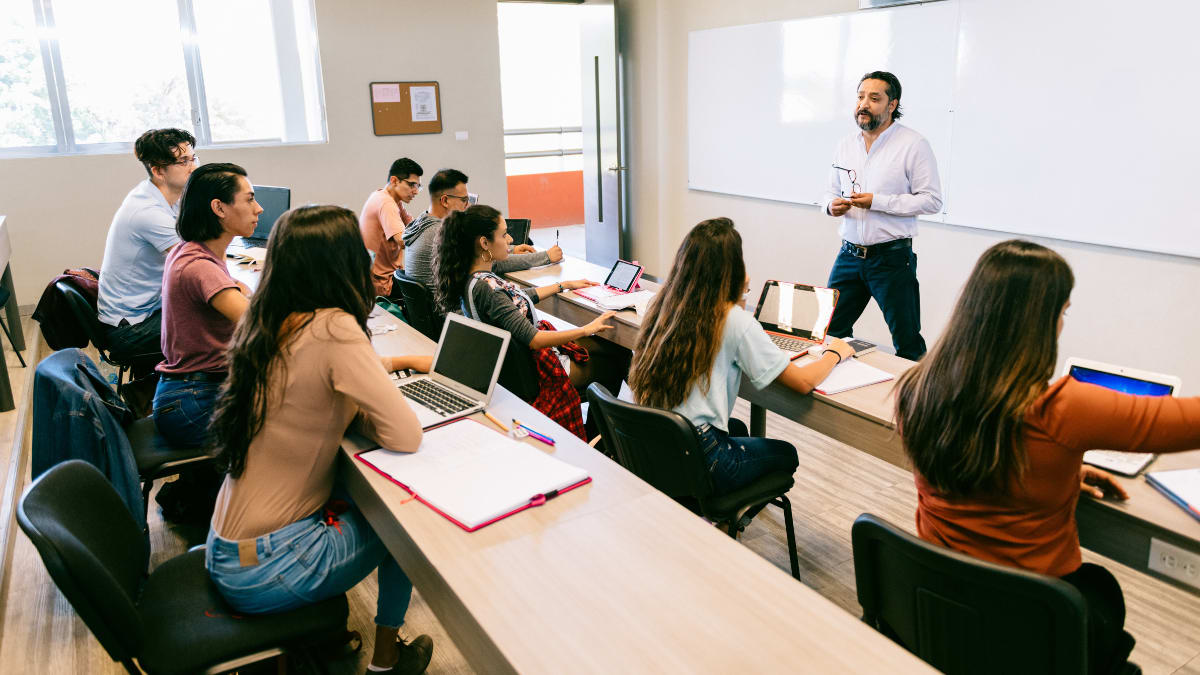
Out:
{"x": 618, "y": 168}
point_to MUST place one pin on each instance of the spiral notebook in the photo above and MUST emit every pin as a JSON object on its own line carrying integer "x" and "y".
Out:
{"x": 474, "y": 476}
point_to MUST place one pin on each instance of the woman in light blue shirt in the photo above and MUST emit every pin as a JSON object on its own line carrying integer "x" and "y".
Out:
{"x": 696, "y": 343}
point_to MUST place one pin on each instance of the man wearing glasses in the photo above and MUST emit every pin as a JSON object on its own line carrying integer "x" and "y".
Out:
{"x": 448, "y": 193}
{"x": 383, "y": 219}
{"x": 141, "y": 235}
{"x": 883, "y": 177}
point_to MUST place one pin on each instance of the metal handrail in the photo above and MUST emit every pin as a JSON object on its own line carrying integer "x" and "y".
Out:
{"x": 546, "y": 130}
{"x": 544, "y": 153}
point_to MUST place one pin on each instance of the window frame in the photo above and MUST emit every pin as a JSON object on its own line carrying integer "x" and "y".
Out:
{"x": 295, "y": 113}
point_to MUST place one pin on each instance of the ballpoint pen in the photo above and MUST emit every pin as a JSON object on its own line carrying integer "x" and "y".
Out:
{"x": 556, "y": 237}
{"x": 541, "y": 437}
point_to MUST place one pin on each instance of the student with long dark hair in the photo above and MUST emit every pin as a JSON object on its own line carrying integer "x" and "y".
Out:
{"x": 301, "y": 368}
{"x": 469, "y": 243}
{"x": 201, "y": 303}
{"x": 696, "y": 343}
{"x": 997, "y": 449}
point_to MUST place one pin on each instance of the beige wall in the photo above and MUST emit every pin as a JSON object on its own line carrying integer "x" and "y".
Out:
{"x": 59, "y": 208}
{"x": 1131, "y": 308}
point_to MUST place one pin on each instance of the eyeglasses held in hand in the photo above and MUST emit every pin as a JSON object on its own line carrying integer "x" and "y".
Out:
{"x": 854, "y": 186}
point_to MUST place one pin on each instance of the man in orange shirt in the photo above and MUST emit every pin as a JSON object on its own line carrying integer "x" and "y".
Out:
{"x": 383, "y": 219}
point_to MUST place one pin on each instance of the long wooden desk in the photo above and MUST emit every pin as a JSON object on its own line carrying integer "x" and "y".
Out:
{"x": 863, "y": 418}
{"x": 12, "y": 314}
{"x": 610, "y": 577}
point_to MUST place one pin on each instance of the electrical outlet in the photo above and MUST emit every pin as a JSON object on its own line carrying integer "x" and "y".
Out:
{"x": 1181, "y": 565}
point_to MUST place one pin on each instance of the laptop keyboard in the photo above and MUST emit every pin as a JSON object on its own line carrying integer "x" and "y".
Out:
{"x": 435, "y": 397}
{"x": 788, "y": 344}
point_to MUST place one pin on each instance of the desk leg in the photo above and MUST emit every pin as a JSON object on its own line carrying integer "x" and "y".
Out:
{"x": 6, "y": 395}
{"x": 758, "y": 420}
{"x": 13, "y": 315}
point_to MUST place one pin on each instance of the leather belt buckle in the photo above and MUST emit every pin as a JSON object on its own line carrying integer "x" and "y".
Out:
{"x": 856, "y": 250}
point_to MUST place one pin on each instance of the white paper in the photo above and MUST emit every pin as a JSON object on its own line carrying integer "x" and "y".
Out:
{"x": 424, "y": 105}
{"x": 474, "y": 474}
{"x": 385, "y": 93}
{"x": 639, "y": 300}
{"x": 1183, "y": 483}
{"x": 852, "y": 374}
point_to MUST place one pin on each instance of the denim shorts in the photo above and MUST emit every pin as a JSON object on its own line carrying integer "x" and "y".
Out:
{"x": 306, "y": 562}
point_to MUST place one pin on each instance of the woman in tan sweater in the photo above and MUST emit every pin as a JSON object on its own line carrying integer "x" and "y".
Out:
{"x": 998, "y": 453}
{"x": 301, "y": 368}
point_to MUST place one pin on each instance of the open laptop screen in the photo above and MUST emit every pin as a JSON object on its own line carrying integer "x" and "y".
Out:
{"x": 468, "y": 356}
{"x": 1121, "y": 383}
{"x": 796, "y": 310}
{"x": 274, "y": 201}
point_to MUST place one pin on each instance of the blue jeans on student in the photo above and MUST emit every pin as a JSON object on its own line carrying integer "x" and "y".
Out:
{"x": 737, "y": 461}
{"x": 182, "y": 410}
{"x": 891, "y": 278}
{"x": 306, "y": 562}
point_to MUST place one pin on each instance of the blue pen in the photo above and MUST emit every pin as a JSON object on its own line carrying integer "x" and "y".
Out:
{"x": 541, "y": 437}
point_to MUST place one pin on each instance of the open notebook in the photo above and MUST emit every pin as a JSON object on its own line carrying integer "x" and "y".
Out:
{"x": 852, "y": 374}
{"x": 474, "y": 476}
{"x": 1181, "y": 486}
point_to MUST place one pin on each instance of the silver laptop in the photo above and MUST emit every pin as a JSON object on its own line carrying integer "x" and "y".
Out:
{"x": 1129, "y": 381}
{"x": 465, "y": 369}
{"x": 795, "y": 316}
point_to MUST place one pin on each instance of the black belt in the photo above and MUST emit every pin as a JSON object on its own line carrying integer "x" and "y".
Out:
{"x": 193, "y": 377}
{"x": 875, "y": 249}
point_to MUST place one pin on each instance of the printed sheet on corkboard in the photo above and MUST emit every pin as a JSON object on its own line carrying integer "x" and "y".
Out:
{"x": 406, "y": 108}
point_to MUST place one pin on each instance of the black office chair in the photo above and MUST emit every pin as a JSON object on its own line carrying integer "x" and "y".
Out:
{"x": 174, "y": 621}
{"x": 662, "y": 448}
{"x": 155, "y": 458}
{"x": 419, "y": 307}
{"x": 964, "y": 615}
{"x": 87, "y": 317}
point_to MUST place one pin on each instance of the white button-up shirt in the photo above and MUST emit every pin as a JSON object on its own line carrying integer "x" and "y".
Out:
{"x": 900, "y": 171}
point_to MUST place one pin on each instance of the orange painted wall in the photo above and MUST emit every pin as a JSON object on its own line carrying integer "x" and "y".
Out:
{"x": 547, "y": 199}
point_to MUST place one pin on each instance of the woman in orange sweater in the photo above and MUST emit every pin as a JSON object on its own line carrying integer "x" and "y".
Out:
{"x": 998, "y": 451}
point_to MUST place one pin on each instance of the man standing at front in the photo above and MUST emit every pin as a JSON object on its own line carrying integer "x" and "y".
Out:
{"x": 883, "y": 177}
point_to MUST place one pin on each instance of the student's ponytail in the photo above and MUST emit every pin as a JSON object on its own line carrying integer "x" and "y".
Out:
{"x": 455, "y": 251}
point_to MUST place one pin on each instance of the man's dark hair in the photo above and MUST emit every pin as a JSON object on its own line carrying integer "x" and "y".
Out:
{"x": 403, "y": 168}
{"x": 893, "y": 88}
{"x": 444, "y": 181}
{"x": 197, "y": 221}
{"x": 157, "y": 147}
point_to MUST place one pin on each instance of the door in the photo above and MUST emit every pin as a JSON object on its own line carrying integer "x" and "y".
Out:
{"x": 604, "y": 169}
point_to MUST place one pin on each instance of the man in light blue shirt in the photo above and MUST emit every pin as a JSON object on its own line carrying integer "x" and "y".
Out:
{"x": 883, "y": 177}
{"x": 141, "y": 235}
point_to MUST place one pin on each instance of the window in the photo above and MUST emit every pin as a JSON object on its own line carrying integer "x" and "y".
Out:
{"x": 79, "y": 76}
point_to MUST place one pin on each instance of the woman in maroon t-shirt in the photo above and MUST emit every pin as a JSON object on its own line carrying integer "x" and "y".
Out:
{"x": 201, "y": 303}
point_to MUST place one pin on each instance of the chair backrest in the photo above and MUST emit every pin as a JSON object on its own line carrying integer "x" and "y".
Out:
{"x": 659, "y": 446}
{"x": 418, "y": 305}
{"x": 963, "y": 615}
{"x": 92, "y": 548}
{"x": 84, "y": 313}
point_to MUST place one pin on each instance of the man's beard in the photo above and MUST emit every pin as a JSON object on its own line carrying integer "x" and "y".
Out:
{"x": 871, "y": 124}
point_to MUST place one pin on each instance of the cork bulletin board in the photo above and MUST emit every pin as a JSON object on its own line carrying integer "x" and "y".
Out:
{"x": 406, "y": 108}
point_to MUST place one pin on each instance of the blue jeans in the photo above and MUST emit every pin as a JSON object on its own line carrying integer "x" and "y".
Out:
{"x": 182, "y": 411}
{"x": 735, "y": 462}
{"x": 306, "y": 562}
{"x": 891, "y": 278}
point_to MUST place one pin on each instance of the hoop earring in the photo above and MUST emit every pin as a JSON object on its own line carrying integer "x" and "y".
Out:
{"x": 487, "y": 256}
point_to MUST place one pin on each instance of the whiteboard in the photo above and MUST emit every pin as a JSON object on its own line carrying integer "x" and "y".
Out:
{"x": 1071, "y": 119}
{"x": 768, "y": 103}
{"x": 1085, "y": 128}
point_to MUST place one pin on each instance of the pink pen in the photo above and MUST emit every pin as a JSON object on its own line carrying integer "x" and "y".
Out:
{"x": 541, "y": 437}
